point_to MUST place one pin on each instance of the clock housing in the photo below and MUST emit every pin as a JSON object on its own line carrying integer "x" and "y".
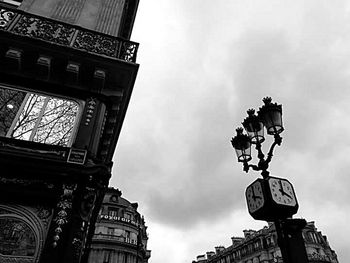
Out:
{"x": 255, "y": 196}
{"x": 271, "y": 198}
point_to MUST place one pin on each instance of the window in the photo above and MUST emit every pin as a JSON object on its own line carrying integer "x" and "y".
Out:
{"x": 37, "y": 117}
{"x": 16, "y": 238}
{"x": 114, "y": 198}
{"x": 128, "y": 216}
{"x": 113, "y": 211}
{"x": 107, "y": 256}
{"x": 110, "y": 231}
{"x": 127, "y": 236}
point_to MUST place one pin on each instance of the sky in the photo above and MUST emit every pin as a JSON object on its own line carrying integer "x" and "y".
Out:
{"x": 202, "y": 65}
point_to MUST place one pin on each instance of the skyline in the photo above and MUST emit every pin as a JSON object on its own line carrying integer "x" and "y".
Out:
{"x": 202, "y": 66}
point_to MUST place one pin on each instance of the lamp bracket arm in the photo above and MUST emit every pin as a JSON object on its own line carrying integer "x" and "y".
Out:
{"x": 278, "y": 141}
{"x": 246, "y": 167}
{"x": 261, "y": 155}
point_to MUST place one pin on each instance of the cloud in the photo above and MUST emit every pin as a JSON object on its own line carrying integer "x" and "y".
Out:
{"x": 202, "y": 67}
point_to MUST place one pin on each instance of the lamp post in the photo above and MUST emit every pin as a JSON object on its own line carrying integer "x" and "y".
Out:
{"x": 270, "y": 198}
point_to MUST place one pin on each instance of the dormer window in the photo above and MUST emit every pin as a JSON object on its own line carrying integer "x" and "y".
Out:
{"x": 37, "y": 117}
{"x": 114, "y": 198}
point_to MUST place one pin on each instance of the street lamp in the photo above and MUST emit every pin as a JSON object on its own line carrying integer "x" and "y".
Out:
{"x": 270, "y": 117}
{"x": 270, "y": 198}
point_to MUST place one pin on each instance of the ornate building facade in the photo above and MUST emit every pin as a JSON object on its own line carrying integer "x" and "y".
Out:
{"x": 67, "y": 72}
{"x": 261, "y": 247}
{"x": 120, "y": 232}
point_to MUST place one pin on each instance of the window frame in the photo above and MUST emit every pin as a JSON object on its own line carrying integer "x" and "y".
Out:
{"x": 80, "y": 103}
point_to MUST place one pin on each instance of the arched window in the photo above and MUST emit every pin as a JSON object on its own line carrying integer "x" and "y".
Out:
{"x": 16, "y": 238}
{"x": 21, "y": 235}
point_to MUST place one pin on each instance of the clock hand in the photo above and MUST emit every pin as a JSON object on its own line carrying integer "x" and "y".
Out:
{"x": 282, "y": 191}
{"x": 255, "y": 196}
{"x": 281, "y": 188}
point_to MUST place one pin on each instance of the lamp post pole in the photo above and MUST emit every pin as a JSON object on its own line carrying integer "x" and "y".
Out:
{"x": 270, "y": 198}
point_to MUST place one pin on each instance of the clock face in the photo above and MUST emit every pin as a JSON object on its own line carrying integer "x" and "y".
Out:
{"x": 254, "y": 196}
{"x": 282, "y": 192}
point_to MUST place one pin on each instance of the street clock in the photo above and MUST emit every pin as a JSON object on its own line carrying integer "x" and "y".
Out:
{"x": 271, "y": 198}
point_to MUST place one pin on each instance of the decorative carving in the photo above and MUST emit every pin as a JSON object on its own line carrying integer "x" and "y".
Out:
{"x": 63, "y": 34}
{"x": 24, "y": 182}
{"x": 91, "y": 104}
{"x": 318, "y": 257}
{"x": 64, "y": 205}
{"x": 77, "y": 244}
{"x": 44, "y": 215}
{"x": 128, "y": 51}
{"x": 9, "y": 259}
{"x": 87, "y": 203}
{"x": 5, "y": 17}
{"x": 44, "y": 29}
{"x": 96, "y": 43}
{"x": 86, "y": 208}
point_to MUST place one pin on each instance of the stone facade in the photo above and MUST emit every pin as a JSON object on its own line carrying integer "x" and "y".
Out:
{"x": 67, "y": 73}
{"x": 120, "y": 232}
{"x": 111, "y": 17}
{"x": 261, "y": 247}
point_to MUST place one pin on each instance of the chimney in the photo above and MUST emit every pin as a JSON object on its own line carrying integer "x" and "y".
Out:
{"x": 200, "y": 258}
{"x": 219, "y": 249}
{"x": 236, "y": 240}
{"x": 210, "y": 254}
{"x": 248, "y": 233}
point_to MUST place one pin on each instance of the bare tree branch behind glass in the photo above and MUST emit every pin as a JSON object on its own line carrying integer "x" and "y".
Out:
{"x": 40, "y": 118}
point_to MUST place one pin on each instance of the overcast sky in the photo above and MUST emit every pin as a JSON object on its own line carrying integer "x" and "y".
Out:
{"x": 203, "y": 63}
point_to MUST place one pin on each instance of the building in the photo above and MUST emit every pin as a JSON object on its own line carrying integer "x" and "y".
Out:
{"x": 67, "y": 72}
{"x": 261, "y": 247}
{"x": 120, "y": 233}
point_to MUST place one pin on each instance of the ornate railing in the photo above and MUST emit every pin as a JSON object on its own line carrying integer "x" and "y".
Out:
{"x": 29, "y": 25}
{"x": 315, "y": 257}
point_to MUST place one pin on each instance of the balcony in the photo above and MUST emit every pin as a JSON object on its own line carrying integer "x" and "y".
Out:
{"x": 20, "y": 23}
{"x": 114, "y": 238}
{"x": 315, "y": 257}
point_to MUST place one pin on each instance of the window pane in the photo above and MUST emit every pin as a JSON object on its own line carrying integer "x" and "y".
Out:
{"x": 29, "y": 116}
{"x": 10, "y": 102}
{"x": 57, "y": 122}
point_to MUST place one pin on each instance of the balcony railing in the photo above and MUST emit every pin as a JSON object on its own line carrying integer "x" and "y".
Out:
{"x": 115, "y": 238}
{"x": 315, "y": 257}
{"x": 28, "y": 25}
